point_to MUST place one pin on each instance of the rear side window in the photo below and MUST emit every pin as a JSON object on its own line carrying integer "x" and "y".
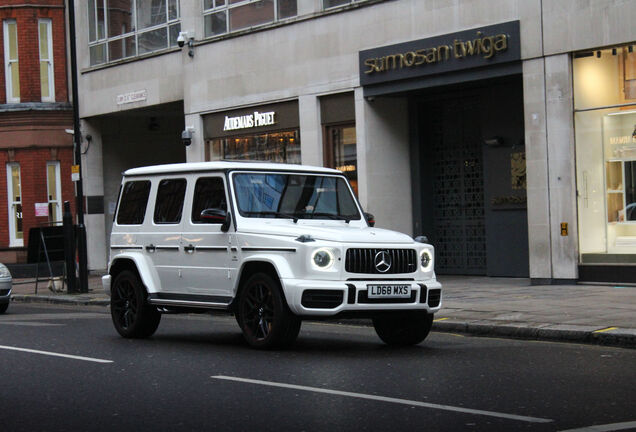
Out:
{"x": 134, "y": 199}
{"x": 169, "y": 203}
{"x": 209, "y": 192}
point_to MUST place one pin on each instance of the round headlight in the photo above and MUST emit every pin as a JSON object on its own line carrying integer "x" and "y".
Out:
{"x": 322, "y": 258}
{"x": 425, "y": 259}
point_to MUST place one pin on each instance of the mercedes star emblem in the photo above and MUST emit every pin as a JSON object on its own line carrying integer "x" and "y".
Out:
{"x": 382, "y": 261}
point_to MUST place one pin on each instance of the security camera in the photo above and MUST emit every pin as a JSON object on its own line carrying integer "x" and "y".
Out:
{"x": 186, "y": 137}
{"x": 181, "y": 39}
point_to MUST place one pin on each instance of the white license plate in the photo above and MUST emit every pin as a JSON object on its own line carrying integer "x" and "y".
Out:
{"x": 388, "y": 291}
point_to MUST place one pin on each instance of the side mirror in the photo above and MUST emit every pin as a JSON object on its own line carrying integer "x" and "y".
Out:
{"x": 370, "y": 219}
{"x": 216, "y": 216}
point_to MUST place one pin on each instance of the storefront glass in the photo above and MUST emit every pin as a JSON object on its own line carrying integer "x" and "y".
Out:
{"x": 341, "y": 152}
{"x": 605, "y": 125}
{"x": 280, "y": 146}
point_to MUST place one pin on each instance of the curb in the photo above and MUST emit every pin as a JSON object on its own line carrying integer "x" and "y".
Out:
{"x": 57, "y": 299}
{"x": 624, "y": 338}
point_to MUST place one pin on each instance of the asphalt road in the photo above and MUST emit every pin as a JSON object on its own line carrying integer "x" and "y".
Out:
{"x": 65, "y": 368}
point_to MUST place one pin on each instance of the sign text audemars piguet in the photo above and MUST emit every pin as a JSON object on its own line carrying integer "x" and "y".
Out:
{"x": 446, "y": 53}
{"x": 247, "y": 121}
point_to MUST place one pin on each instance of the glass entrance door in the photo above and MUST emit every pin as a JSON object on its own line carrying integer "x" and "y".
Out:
{"x": 16, "y": 236}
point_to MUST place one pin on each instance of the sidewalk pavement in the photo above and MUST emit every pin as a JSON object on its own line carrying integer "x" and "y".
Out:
{"x": 502, "y": 307}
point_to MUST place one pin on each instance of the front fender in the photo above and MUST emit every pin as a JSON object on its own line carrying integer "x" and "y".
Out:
{"x": 146, "y": 270}
{"x": 280, "y": 265}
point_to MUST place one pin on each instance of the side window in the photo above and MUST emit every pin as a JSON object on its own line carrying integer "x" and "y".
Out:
{"x": 134, "y": 199}
{"x": 209, "y": 192}
{"x": 169, "y": 203}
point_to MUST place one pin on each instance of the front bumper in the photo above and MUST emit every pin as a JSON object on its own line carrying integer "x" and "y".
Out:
{"x": 328, "y": 298}
{"x": 5, "y": 290}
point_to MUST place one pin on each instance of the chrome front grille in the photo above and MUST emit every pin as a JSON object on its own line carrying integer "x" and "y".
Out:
{"x": 363, "y": 261}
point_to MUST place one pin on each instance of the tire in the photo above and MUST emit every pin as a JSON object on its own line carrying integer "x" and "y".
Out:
{"x": 132, "y": 316}
{"x": 263, "y": 314}
{"x": 4, "y": 307}
{"x": 403, "y": 328}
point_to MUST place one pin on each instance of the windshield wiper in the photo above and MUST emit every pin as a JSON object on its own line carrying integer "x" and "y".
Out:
{"x": 330, "y": 216}
{"x": 273, "y": 213}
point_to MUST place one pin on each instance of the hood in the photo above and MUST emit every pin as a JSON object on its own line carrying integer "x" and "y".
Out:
{"x": 336, "y": 233}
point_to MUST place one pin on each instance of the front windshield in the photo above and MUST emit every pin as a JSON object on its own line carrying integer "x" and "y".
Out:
{"x": 294, "y": 196}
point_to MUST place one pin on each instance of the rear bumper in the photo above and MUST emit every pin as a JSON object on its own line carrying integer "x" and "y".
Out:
{"x": 330, "y": 298}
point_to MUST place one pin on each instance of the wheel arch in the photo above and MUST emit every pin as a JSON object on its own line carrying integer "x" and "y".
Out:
{"x": 252, "y": 267}
{"x": 138, "y": 265}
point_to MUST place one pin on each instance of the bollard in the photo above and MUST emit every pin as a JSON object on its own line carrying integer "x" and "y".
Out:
{"x": 69, "y": 248}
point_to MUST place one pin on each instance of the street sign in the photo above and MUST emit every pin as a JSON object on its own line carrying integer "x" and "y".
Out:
{"x": 75, "y": 173}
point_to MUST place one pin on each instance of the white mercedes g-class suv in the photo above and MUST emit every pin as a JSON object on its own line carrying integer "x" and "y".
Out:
{"x": 271, "y": 243}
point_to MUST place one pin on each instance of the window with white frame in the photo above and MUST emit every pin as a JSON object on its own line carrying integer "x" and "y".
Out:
{"x": 227, "y": 16}
{"x": 14, "y": 194}
{"x": 119, "y": 29}
{"x": 11, "y": 65}
{"x": 47, "y": 82}
{"x": 53, "y": 190}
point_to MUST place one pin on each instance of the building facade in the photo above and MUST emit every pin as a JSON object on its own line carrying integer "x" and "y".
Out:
{"x": 36, "y": 153}
{"x": 501, "y": 129}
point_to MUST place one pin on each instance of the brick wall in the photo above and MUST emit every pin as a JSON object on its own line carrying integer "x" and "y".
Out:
{"x": 26, "y": 13}
{"x": 34, "y": 185}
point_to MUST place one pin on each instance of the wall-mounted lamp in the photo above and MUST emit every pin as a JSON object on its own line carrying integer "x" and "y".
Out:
{"x": 494, "y": 141}
{"x": 630, "y": 48}
{"x": 186, "y": 37}
{"x": 598, "y": 54}
{"x": 613, "y": 51}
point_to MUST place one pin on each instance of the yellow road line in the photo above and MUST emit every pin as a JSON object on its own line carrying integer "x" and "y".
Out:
{"x": 605, "y": 330}
{"x": 440, "y": 319}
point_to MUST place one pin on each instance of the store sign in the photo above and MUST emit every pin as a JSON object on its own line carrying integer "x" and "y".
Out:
{"x": 456, "y": 51}
{"x": 41, "y": 209}
{"x": 248, "y": 121}
{"x": 75, "y": 173}
{"x": 136, "y": 96}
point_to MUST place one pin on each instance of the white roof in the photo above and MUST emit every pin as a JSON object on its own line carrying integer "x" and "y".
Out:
{"x": 216, "y": 166}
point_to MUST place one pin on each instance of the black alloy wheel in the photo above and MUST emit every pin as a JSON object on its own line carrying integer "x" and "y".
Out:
{"x": 403, "y": 328}
{"x": 263, "y": 314}
{"x": 4, "y": 307}
{"x": 132, "y": 316}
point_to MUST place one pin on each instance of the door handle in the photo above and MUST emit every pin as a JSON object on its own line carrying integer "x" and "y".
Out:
{"x": 189, "y": 248}
{"x": 151, "y": 248}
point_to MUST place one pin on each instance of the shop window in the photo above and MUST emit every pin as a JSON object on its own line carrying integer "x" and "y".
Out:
{"x": 11, "y": 65}
{"x": 340, "y": 151}
{"x": 53, "y": 188}
{"x": 134, "y": 199}
{"x": 47, "y": 85}
{"x": 120, "y": 29}
{"x": 14, "y": 193}
{"x": 274, "y": 147}
{"x": 605, "y": 128}
{"x": 169, "y": 202}
{"x": 209, "y": 192}
{"x": 226, "y": 16}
